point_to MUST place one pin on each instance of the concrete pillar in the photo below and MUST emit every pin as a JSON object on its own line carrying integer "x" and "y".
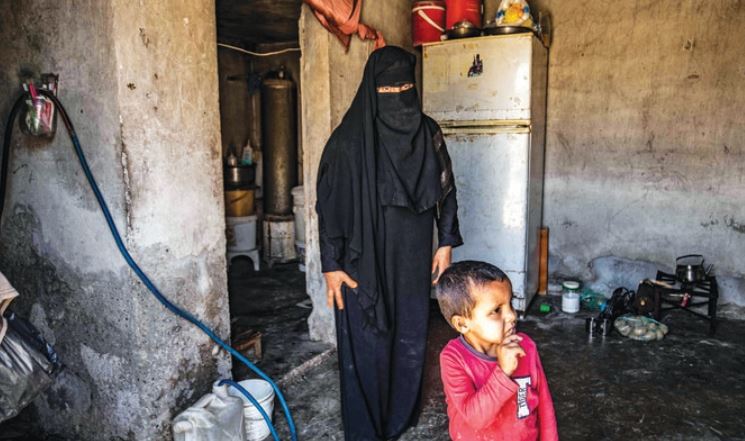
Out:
{"x": 140, "y": 83}
{"x": 330, "y": 78}
{"x": 316, "y": 108}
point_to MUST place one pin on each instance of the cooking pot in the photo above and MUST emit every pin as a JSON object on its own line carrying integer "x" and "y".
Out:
{"x": 690, "y": 268}
{"x": 463, "y": 29}
{"x": 239, "y": 176}
{"x": 503, "y": 30}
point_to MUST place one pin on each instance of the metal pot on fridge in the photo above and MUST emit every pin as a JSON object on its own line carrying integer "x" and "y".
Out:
{"x": 463, "y": 29}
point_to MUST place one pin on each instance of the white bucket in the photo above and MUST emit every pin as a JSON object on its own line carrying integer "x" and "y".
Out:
{"x": 570, "y": 302}
{"x": 298, "y": 208}
{"x": 262, "y": 391}
{"x": 241, "y": 233}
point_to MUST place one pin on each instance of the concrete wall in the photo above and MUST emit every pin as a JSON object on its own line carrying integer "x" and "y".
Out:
{"x": 330, "y": 78}
{"x": 646, "y": 148}
{"x": 140, "y": 83}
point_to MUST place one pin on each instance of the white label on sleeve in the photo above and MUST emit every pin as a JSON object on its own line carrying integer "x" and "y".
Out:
{"x": 522, "y": 397}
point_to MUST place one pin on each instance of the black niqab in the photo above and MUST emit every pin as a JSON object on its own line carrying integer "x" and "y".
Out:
{"x": 382, "y": 154}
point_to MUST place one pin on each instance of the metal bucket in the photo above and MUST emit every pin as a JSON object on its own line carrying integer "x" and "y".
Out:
{"x": 239, "y": 203}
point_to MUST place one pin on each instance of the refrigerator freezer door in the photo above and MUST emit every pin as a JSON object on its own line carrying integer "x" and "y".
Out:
{"x": 492, "y": 168}
{"x": 480, "y": 81}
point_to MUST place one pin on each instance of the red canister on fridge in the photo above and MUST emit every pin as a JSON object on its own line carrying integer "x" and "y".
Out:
{"x": 427, "y": 21}
{"x": 460, "y": 10}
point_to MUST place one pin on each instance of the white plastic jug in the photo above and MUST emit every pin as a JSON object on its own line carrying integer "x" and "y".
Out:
{"x": 217, "y": 416}
{"x": 262, "y": 391}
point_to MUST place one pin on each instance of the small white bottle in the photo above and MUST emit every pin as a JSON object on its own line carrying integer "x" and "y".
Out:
{"x": 570, "y": 297}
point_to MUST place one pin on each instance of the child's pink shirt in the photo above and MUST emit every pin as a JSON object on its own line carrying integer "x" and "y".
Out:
{"x": 485, "y": 404}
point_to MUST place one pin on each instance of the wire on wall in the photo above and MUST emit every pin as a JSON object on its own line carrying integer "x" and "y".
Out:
{"x": 259, "y": 54}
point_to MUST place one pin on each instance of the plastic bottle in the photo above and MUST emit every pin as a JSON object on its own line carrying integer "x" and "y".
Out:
{"x": 232, "y": 160}
{"x": 247, "y": 154}
{"x": 570, "y": 296}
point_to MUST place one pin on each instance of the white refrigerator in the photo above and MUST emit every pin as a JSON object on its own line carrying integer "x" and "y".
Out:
{"x": 489, "y": 96}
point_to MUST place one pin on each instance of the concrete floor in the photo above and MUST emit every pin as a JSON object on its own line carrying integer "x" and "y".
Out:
{"x": 690, "y": 386}
{"x": 267, "y": 301}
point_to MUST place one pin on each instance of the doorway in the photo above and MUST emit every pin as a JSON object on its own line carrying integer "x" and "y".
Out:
{"x": 259, "y": 82}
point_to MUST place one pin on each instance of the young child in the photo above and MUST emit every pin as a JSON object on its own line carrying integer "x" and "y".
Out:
{"x": 494, "y": 383}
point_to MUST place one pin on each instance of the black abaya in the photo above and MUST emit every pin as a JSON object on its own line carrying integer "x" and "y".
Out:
{"x": 383, "y": 180}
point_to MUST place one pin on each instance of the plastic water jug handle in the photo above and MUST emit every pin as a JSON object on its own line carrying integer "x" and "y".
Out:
{"x": 182, "y": 427}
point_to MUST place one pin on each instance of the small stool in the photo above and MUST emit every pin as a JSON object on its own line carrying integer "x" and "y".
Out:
{"x": 251, "y": 254}
{"x": 246, "y": 340}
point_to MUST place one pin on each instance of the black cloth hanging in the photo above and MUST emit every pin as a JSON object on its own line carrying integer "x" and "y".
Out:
{"x": 384, "y": 179}
{"x": 384, "y": 153}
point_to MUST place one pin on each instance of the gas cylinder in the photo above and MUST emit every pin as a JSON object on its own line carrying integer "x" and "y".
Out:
{"x": 279, "y": 136}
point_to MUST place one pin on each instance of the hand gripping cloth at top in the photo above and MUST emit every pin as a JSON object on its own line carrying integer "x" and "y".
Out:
{"x": 342, "y": 18}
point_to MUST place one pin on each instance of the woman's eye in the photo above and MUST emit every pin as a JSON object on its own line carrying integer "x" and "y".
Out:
{"x": 497, "y": 311}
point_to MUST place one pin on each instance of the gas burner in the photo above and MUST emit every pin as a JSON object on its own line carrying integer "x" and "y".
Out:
{"x": 675, "y": 294}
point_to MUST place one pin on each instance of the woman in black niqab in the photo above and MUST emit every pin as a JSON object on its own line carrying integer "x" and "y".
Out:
{"x": 384, "y": 178}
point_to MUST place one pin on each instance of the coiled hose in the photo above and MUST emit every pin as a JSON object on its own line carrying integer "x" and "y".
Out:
{"x": 131, "y": 262}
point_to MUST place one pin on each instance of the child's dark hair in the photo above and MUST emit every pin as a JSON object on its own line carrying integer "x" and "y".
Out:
{"x": 454, "y": 287}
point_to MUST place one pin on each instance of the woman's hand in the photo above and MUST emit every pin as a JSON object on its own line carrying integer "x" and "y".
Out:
{"x": 334, "y": 280}
{"x": 441, "y": 262}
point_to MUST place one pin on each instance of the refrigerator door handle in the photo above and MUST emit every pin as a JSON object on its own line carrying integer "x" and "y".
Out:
{"x": 484, "y": 130}
{"x": 484, "y": 122}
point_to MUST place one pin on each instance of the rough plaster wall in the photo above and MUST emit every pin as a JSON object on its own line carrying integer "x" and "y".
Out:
{"x": 51, "y": 240}
{"x": 645, "y": 150}
{"x": 330, "y": 78}
{"x": 140, "y": 84}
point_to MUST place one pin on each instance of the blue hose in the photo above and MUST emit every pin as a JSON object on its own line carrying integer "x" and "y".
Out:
{"x": 146, "y": 280}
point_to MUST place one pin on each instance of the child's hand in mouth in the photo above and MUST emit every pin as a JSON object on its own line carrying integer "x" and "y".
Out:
{"x": 508, "y": 352}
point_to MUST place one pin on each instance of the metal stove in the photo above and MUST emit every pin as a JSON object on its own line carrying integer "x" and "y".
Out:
{"x": 671, "y": 293}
